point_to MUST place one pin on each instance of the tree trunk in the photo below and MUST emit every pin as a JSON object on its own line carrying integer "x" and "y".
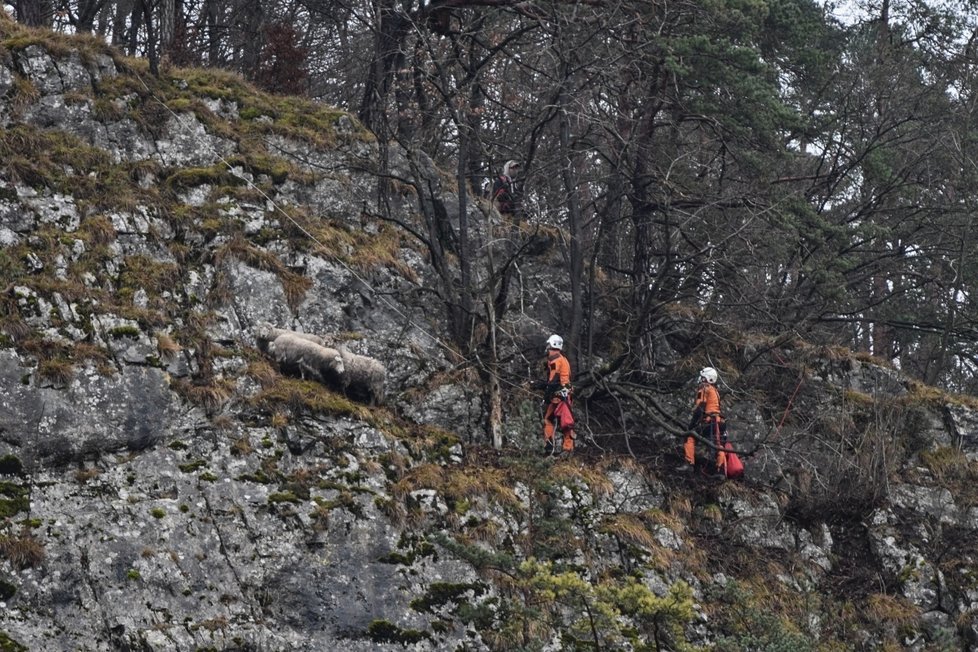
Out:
{"x": 152, "y": 42}
{"x": 168, "y": 22}
{"x": 252, "y": 38}
{"x": 212, "y": 21}
{"x": 575, "y": 266}
{"x": 387, "y": 56}
{"x": 493, "y": 393}
{"x": 34, "y": 13}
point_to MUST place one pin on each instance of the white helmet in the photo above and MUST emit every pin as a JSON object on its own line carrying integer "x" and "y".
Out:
{"x": 555, "y": 342}
{"x": 709, "y": 374}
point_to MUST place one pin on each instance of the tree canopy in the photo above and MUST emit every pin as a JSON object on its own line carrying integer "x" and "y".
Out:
{"x": 763, "y": 163}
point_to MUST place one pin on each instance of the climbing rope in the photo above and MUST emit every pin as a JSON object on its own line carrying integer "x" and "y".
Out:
{"x": 787, "y": 407}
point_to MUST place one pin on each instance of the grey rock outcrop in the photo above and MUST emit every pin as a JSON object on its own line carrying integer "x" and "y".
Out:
{"x": 164, "y": 489}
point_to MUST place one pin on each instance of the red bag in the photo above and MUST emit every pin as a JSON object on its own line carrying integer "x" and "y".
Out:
{"x": 734, "y": 467}
{"x": 564, "y": 416}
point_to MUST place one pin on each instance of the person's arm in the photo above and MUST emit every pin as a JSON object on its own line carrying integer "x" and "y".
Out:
{"x": 560, "y": 377}
{"x": 500, "y": 190}
{"x": 698, "y": 410}
{"x": 564, "y": 372}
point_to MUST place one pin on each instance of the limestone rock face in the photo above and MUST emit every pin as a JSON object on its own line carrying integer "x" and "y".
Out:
{"x": 90, "y": 415}
{"x": 159, "y": 529}
{"x": 163, "y": 488}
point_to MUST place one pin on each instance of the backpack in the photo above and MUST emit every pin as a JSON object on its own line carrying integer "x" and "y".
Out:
{"x": 734, "y": 467}
{"x": 564, "y": 416}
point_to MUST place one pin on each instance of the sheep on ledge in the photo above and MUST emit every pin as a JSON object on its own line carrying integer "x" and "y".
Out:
{"x": 265, "y": 334}
{"x": 359, "y": 377}
{"x": 299, "y": 356}
{"x": 363, "y": 377}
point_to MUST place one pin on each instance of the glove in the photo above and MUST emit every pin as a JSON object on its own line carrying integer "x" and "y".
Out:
{"x": 538, "y": 384}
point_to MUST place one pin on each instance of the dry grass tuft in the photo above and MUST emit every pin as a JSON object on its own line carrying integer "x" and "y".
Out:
{"x": 57, "y": 370}
{"x": 882, "y": 607}
{"x": 263, "y": 372}
{"x": 320, "y": 518}
{"x": 223, "y": 422}
{"x": 630, "y": 529}
{"x": 425, "y": 476}
{"x": 280, "y": 419}
{"x": 295, "y": 286}
{"x": 17, "y": 328}
{"x": 242, "y": 447}
{"x": 99, "y": 230}
{"x": 595, "y": 479}
{"x": 82, "y": 476}
{"x": 291, "y": 394}
{"x": 394, "y": 510}
{"x": 950, "y": 465}
{"x": 22, "y": 551}
{"x": 208, "y": 395}
{"x": 167, "y": 346}
{"x": 25, "y": 94}
{"x": 479, "y": 482}
{"x": 679, "y": 505}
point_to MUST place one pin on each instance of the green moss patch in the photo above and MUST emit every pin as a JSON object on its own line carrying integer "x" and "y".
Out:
{"x": 442, "y": 593}
{"x": 384, "y": 631}
{"x": 15, "y": 499}
{"x": 8, "y": 644}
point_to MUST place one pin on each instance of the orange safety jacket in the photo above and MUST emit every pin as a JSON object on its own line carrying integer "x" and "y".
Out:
{"x": 706, "y": 414}
{"x": 708, "y": 397}
{"x": 558, "y": 368}
{"x": 558, "y": 373}
{"x": 707, "y": 404}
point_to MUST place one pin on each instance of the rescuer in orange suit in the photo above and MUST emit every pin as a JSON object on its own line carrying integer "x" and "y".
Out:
{"x": 557, "y": 398}
{"x": 706, "y": 421}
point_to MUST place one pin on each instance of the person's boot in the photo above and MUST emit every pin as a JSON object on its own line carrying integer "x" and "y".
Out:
{"x": 715, "y": 472}
{"x": 567, "y": 444}
{"x": 548, "y": 449}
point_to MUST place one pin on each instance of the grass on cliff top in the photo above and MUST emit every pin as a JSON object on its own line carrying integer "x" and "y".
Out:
{"x": 460, "y": 484}
{"x": 259, "y": 112}
{"x": 52, "y": 161}
{"x": 920, "y": 394}
{"x": 63, "y": 163}
{"x": 265, "y": 114}
{"x": 16, "y": 36}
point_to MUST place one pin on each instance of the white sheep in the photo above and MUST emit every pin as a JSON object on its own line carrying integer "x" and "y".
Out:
{"x": 363, "y": 377}
{"x": 297, "y": 355}
{"x": 265, "y": 334}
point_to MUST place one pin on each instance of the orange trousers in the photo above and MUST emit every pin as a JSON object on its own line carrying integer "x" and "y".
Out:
{"x": 549, "y": 427}
{"x": 709, "y": 430}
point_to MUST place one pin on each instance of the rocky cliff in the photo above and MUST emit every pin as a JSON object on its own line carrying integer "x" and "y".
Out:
{"x": 165, "y": 487}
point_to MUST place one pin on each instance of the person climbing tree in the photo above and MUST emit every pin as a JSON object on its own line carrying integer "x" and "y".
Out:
{"x": 557, "y": 414}
{"x": 504, "y": 190}
{"x": 706, "y": 421}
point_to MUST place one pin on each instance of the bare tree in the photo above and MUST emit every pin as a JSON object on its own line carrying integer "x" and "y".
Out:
{"x": 34, "y": 13}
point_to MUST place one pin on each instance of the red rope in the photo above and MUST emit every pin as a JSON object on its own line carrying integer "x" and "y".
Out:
{"x": 787, "y": 408}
